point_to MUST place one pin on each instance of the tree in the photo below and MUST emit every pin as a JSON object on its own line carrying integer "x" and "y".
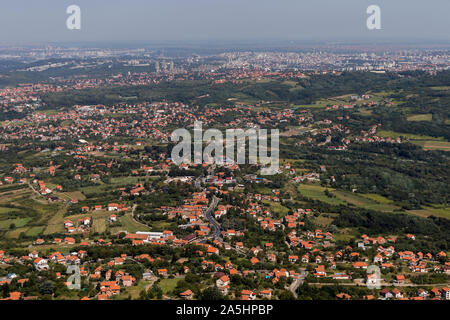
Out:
{"x": 143, "y": 295}
{"x": 5, "y": 290}
{"x": 211, "y": 294}
{"x": 155, "y": 292}
{"x": 47, "y": 287}
{"x": 286, "y": 295}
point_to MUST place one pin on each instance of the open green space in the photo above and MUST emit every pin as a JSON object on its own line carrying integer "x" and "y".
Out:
{"x": 420, "y": 117}
{"x": 316, "y": 192}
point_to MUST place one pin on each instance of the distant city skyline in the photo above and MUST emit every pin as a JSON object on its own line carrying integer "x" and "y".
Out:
{"x": 24, "y": 21}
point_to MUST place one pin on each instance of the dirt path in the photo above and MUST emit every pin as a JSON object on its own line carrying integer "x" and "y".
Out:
{"x": 134, "y": 219}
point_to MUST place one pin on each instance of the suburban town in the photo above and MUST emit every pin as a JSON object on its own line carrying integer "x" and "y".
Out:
{"x": 95, "y": 203}
{"x": 94, "y": 186}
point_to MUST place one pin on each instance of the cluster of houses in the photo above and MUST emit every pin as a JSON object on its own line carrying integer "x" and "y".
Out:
{"x": 82, "y": 225}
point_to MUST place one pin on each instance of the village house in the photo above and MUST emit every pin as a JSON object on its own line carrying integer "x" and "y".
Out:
{"x": 187, "y": 295}
{"x": 40, "y": 264}
{"x": 248, "y": 295}
{"x": 399, "y": 279}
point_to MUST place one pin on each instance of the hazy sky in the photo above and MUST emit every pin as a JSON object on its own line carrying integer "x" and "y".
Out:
{"x": 159, "y": 20}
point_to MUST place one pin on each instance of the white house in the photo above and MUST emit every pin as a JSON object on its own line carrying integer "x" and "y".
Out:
{"x": 41, "y": 264}
{"x": 113, "y": 207}
{"x": 372, "y": 279}
{"x": 446, "y": 293}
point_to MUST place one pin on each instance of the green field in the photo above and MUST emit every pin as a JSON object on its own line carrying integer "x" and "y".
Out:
{"x": 343, "y": 237}
{"x": 19, "y": 222}
{"x": 34, "y": 231}
{"x": 429, "y": 211}
{"x": 316, "y": 192}
{"x": 55, "y": 222}
{"x": 76, "y": 195}
{"x": 129, "y": 224}
{"x": 30, "y": 213}
{"x": 426, "y": 142}
{"x": 159, "y": 226}
{"x": 323, "y": 221}
{"x": 277, "y": 208}
{"x": 125, "y": 180}
{"x": 167, "y": 285}
{"x": 366, "y": 202}
{"x": 420, "y": 117}
{"x": 29, "y": 231}
{"x": 5, "y": 210}
{"x": 376, "y": 197}
{"x": 320, "y": 105}
{"x": 443, "y": 88}
{"x": 394, "y": 135}
{"x": 264, "y": 190}
{"x": 16, "y": 232}
{"x": 365, "y": 112}
{"x": 115, "y": 183}
{"x": 133, "y": 291}
{"x": 433, "y": 145}
{"x": 99, "y": 224}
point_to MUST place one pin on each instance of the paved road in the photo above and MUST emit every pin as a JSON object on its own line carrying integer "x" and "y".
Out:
{"x": 40, "y": 196}
{"x": 298, "y": 281}
{"x": 216, "y": 226}
{"x": 197, "y": 183}
{"x": 209, "y": 212}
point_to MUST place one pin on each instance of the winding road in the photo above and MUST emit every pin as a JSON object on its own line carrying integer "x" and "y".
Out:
{"x": 298, "y": 281}
{"x": 208, "y": 214}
